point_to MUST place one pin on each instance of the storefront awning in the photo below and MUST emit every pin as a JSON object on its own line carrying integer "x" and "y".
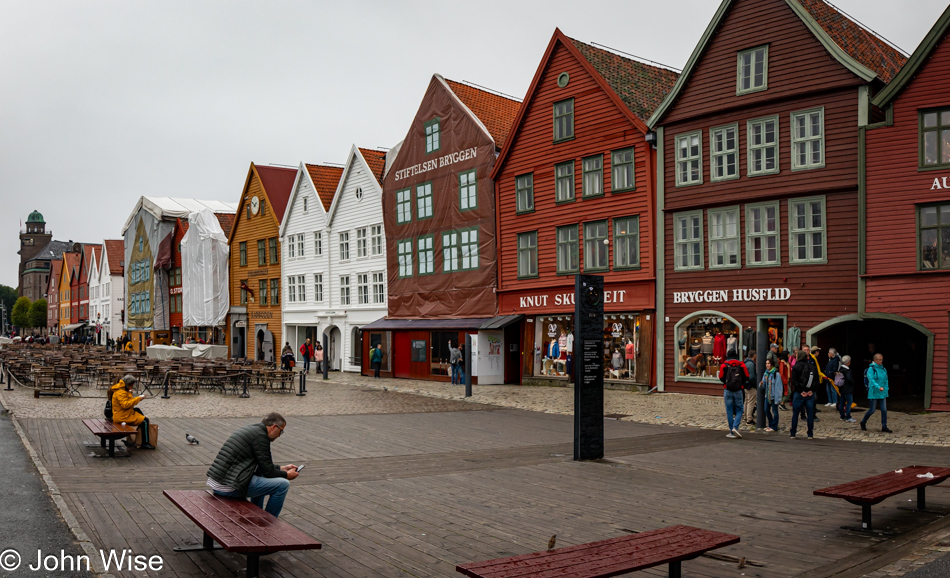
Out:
{"x": 73, "y": 326}
{"x": 461, "y": 324}
{"x": 501, "y": 321}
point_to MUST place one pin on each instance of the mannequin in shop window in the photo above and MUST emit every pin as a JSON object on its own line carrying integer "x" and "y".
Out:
{"x": 732, "y": 344}
{"x": 719, "y": 344}
{"x": 562, "y": 350}
{"x": 707, "y": 346}
{"x": 630, "y": 354}
{"x": 694, "y": 366}
{"x": 569, "y": 347}
{"x": 616, "y": 362}
{"x": 553, "y": 354}
{"x": 695, "y": 346}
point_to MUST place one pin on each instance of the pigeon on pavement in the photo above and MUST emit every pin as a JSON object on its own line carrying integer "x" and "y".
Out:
{"x": 191, "y": 439}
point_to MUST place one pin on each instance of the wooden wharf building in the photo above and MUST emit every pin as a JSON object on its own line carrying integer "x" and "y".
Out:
{"x": 904, "y": 283}
{"x": 575, "y": 192}
{"x": 758, "y": 186}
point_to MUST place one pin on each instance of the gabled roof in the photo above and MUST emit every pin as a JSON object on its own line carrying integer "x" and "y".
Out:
{"x": 640, "y": 86}
{"x": 53, "y": 251}
{"x": 173, "y": 208}
{"x": 277, "y": 183}
{"x": 115, "y": 253}
{"x": 915, "y": 62}
{"x": 376, "y": 161}
{"x": 70, "y": 262}
{"x": 93, "y": 254}
{"x": 355, "y": 157}
{"x": 854, "y": 47}
{"x": 56, "y": 266}
{"x": 496, "y": 112}
{"x": 325, "y": 179}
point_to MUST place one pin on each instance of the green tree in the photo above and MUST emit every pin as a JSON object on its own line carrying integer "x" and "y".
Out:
{"x": 8, "y": 298}
{"x": 21, "y": 313}
{"x": 38, "y": 313}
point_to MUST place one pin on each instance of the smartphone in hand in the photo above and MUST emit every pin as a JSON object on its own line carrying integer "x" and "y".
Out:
{"x": 300, "y": 468}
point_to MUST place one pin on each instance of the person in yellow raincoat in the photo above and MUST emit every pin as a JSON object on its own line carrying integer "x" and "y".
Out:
{"x": 124, "y": 410}
{"x": 128, "y": 346}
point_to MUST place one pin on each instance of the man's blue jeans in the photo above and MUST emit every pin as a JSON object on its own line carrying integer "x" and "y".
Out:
{"x": 844, "y": 405}
{"x": 872, "y": 407}
{"x": 772, "y": 415}
{"x": 306, "y": 363}
{"x": 260, "y": 486}
{"x": 734, "y": 404}
{"x": 455, "y": 374}
{"x": 832, "y": 394}
{"x": 809, "y": 403}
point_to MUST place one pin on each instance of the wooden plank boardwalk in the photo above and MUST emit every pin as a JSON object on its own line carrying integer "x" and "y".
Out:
{"x": 415, "y": 494}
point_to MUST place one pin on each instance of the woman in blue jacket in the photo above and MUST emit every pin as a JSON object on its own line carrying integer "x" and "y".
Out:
{"x": 877, "y": 392}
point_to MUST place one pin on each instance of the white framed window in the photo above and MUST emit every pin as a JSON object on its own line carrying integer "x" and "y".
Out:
{"x": 424, "y": 201}
{"x": 753, "y": 70}
{"x": 524, "y": 193}
{"x": 564, "y": 120}
{"x": 724, "y": 153}
{"x": 362, "y": 288}
{"x": 318, "y": 287}
{"x": 593, "y": 181}
{"x": 806, "y": 230}
{"x": 761, "y": 233}
{"x": 301, "y": 288}
{"x": 426, "y": 255}
{"x": 291, "y": 290}
{"x": 300, "y": 245}
{"x": 468, "y": 247}
{"x": 808, "y": 139}
{"x": 361, "y": 242}
{"x": 450, "y": 251}
{"x": 291, "y": 248}
{"x": 689, "y": 158}
{"x": 688, "y": 240}
{"x": 404, "y": 256}
{"x": 318, "y": 243}
{"x": 528, "y": 254}
{"x": 762, "y": 137}
{"x": 622, "y": 170}
{"x": 595, "y": 246}
{"x": 344, "y": 290}
{"x": 568, "y": 249}
{"x": 564, "y": 182}
{"x": 468, "y": 191}
{"x": 379, "y": 288}
{"x": 403, "y": 206}
{"x": 723, "y": 237}
{"x": 305, "y": 205}
{"x": 344, "y": 246}
{"x": 626, "y": 242}
{"x": 433, "y": 135}
{"x": 376, "y": 233}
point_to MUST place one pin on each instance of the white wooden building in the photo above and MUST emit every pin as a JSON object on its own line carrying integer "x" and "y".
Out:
{"x": 334, "y": 261}
{"x": 106, "y": 290}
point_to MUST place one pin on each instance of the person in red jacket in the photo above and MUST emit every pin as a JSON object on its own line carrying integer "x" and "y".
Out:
{"x": 734, "y": 376}
{"x": 306, "y": 350}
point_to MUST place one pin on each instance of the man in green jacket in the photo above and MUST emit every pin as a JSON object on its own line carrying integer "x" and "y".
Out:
{"x": 244, "y": 468}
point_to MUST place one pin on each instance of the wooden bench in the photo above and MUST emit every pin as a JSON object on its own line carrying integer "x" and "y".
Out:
{"x": 238, "y": 526}
{"x": 611, "y": 557}
{"x": 873, "y": 490}
{"x": 107, "y": 430}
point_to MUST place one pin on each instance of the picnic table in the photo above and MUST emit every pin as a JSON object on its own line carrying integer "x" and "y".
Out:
{"x": 869, "y": 491}
{"x": 670, "y": 545}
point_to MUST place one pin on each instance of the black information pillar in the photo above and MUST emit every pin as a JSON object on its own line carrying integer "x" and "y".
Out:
{"x": 588, "y": 362}
{"x": 326, "y": 355}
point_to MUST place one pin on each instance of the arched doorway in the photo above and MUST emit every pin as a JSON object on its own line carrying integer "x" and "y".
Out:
{"x": 356, "y": 347}
{"x": 907, "y": 347}
{"x": 259, "y": 349}
{"x": 336, "y": 348}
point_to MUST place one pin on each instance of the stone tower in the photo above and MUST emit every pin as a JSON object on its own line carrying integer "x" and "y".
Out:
{"x": 33, "y": 238}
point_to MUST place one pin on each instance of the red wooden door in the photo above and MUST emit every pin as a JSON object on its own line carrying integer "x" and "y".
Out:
{"x": 401, "y": 343}
{"x": 419, "y": 346}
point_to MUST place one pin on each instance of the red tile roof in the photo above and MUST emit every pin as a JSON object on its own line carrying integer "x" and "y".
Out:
{"x": 115, "y": 250}
{"x": 496, "y": 112}
{"x": 278, "y": 182}
{"x": 376, "y": 161}
{"x": 226, "y": 220}
{"x": 325, "y": 179}
{"x": 861, "y": 44}
{"x": 71, "y": 261}
{"x": 640, "y": 86}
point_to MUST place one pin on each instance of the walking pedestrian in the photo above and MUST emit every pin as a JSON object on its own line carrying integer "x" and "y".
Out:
{"x": 830, "y": 369}
{"x": 318, "y": 357}
{"x": 454, "y": 356}
{"x": 734, "y": 376}
{"x": 875, "y": 378}
{"x": 461, "y": 363}
{"x": 376, "y": 359}
{"x": 751, "y": 394}
{"x": 306, "y": 350}
{"x": 774, "y": 388}
{"x": 805, "y": 381}
{"x": 845, "y": 381}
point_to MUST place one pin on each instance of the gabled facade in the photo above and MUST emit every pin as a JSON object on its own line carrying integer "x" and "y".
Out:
{"x": 108, "y": 293}
{"x": 335, "y": 256}
{"x": 575, "y": 189}
{"x": 67, "y": 302}
{"x": 93, "y": 305}
{"x": 758, "y": 186}
{"x": 90, "y": 254}
{"x": 439, "y": 218}
{"x": 52, "y": 296}
{"x": 255, "y": 322}
{"x": 905, "y": 243}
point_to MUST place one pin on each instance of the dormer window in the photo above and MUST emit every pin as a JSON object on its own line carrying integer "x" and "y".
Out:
{"x": 564, "y": 120}
{"x": 753, "y": 74}
{"x": 432, "y": 135}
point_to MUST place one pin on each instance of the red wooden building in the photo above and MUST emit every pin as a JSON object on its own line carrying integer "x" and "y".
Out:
{"x": 439, "y": 218}
{"x": 758, "y": 193}
{"x": 905, "y": 277}
{"x": 575, "y": 190}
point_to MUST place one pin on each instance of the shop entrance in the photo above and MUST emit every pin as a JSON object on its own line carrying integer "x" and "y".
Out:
{"x": 907, "y": 352}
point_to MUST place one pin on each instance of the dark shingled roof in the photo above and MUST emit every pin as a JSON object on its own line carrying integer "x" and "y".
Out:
{"x": 53, "y": 251}
{"x": 860, "y": 44}
{"x": 640, "y": 86}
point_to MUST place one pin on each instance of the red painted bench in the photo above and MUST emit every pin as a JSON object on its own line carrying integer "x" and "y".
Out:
{"x": 107, "y": 430}
{"x": 869, "y": 491}
{"x": 238, "y": 526}
{"x": 611, "y": 557}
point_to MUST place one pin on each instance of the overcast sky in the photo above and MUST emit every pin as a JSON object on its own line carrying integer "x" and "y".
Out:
{"x": 102, "y": 102}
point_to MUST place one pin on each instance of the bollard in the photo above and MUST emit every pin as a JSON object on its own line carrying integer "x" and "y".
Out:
{"x": 165, "y": 394}
{"x": 468, "y": 365}
{"x": 6, "y": 370}
{"x": 326, "y": 356}
{"x": 302, "y": 388}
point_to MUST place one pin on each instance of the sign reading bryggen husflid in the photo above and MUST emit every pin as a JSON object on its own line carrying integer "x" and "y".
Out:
{"x": 439, "y": 216}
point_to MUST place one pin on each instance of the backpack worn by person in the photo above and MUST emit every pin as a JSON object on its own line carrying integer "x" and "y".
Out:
{"x": 839, "y": 380}
{"x": 735, "y": 377}
{"x": 108, "y": 409}
{"x": 867, "y": 382}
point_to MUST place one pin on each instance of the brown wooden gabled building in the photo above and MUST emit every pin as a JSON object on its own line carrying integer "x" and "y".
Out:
{"x": 439, "y": 218}
{"x": 575, "y": 190}
{"x": 905, "y": 275}
{"x": 758, "y": 184}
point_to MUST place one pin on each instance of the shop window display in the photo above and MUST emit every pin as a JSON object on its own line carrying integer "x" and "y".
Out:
{"x": 704, "y": 342}
{"x": 554, "y": 345}
{"x": 621, "y": 345}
